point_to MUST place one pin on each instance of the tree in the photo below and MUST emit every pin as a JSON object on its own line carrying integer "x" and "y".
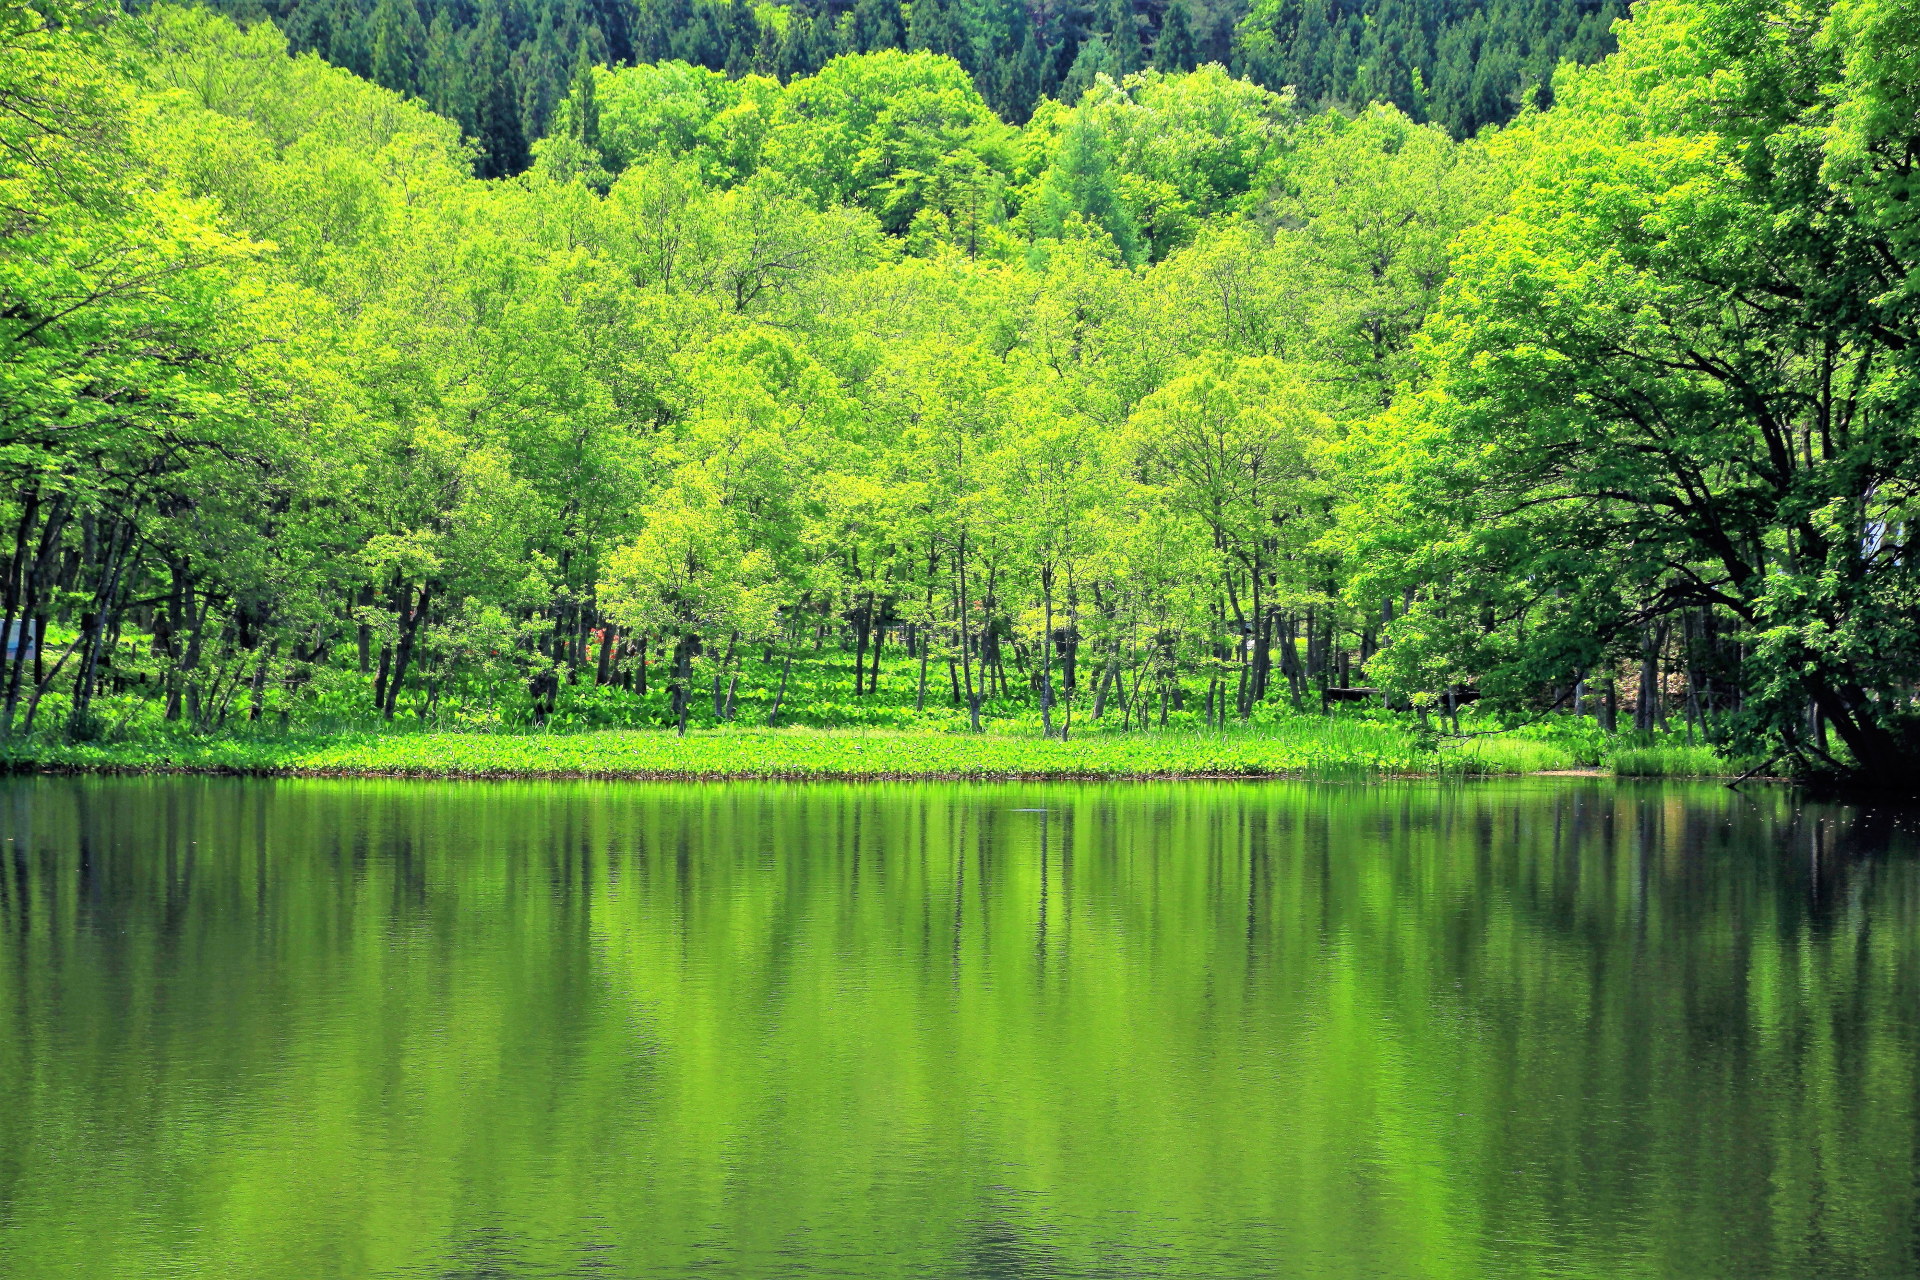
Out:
{"x": 119, "y": 339}
{"x": 687, "y": 577}
{"x": 1372, "y": 212}
{"x": 1232, "y": 444}
{"x": 1056, "y": 482}
{"x": 1174, "y": 49}
{"x": 1670, "y": 380}
{"x": 583, "y": 120}
{"x": 1078, "y": 193}
{"x": 876, "y": 130}
{"x": 503, "y": 144}
{"x": 874, "y": 25}
{"x": 399, "y": 46}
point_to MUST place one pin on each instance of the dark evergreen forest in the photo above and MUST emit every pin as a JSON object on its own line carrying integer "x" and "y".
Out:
{"x": 501, "y": 67}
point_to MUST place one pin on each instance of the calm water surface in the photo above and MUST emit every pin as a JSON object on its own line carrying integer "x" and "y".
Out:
{"x": 1543, "y": 1028}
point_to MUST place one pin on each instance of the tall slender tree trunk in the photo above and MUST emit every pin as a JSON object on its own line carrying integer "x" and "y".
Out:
{"x": 780, "y": 694}
{"x": 726, "y": 665}
{"x": 382, "y": 667}
{"x": 609, "y": 636}
{"x": 1046, "y": 654}
{"x": 118, "y": 545}
{"x": 1070, "y": 658}
{"x": 182, "y": 688}
{"x": 37, "y": 579}
{"x": 363, "y": 634}
{"x": 682, "y": 681}
{"x": 925, "y": 633}
{"x": 966, "y": 663}
{"x": 13, "y": 620}
{"x": 1290, "y": 658}
{"x": 920, "y": 694}
{"x": 409, "y": 631}
{"x": 1648, "y": 694}
{"x": 1109, "y": 679}
{"x": 257, "y": 699}
{"x": 862, "y": 621}
{"x": 1257, "y": 639}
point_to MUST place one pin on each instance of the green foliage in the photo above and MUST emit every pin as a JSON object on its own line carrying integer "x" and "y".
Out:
{"x": 1671, "y": 391}
{"x": 1460, "y": 67}
{"x": 1173, "y": 409}
{"x": 503, "y": 71}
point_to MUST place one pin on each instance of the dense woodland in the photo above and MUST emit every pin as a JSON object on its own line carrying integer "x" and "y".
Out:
{"x": 502, "y": 67}
{"x": 1183, "y": 400}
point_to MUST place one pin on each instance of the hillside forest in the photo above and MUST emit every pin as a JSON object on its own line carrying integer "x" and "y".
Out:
{"x": 1183, "y": 400}
{"x": 502, "y": 67}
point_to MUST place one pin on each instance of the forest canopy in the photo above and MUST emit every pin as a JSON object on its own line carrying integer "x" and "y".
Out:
{"x": 1185, "y": 397}
{"x": 501, "y": 68}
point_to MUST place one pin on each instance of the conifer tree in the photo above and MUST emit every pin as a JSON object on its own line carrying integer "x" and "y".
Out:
{"x": 503, "y": 144}
{"x": 1122, "y": 29}
{"x": 347, "y": 39}
{"x": 743, "y": 38}
{"x": 585, "y": 107}
{"x": 797, "y": 43}
{"x": 1174, "y": 49}
{"x": 1094, "y": 59}
{"x": 443, "y": 82}
{"x": 876, "y": 25}
{"x": 1080, "y": 186}
{"x": 399, "y": 46}
{"x": 1019, "y": 84}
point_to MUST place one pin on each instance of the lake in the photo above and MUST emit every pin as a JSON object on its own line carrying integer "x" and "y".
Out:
{"x": 1545, "y": 1027}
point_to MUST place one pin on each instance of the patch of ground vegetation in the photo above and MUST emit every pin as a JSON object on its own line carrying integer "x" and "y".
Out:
{"x": 832, "y": 735}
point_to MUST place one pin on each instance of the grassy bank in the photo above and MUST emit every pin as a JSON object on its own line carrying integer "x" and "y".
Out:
{"x": 1308, "y": 747}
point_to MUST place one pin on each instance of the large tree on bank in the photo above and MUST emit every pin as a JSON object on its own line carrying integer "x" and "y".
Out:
{"x": 1677, "y": 382}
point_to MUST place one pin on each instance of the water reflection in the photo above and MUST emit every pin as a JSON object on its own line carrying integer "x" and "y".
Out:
{"x": 1545, "y": 1027}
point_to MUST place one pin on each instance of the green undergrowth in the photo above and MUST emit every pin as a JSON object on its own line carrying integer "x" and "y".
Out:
{"x": 1305, "y": 746}
{"x": 1673, "y": 759}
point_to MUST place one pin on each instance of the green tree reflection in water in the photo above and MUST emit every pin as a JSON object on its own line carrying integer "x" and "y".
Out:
{"x": 1550, "y": 1027}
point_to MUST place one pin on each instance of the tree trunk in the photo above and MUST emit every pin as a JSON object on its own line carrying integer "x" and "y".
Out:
{"x": 1046, "y": 655}
{"x": 46, "y": 682}
{"x": 258, "y": 694}
{"x": 726, "y": 665}
{"x": 117, "y": 547}
{"x": 609, "y": 634}
{"x": 34, "y": 575}
{"x": 780, "y": 694}
{"x": 861, "y": 622}
{"x": 920, "y": 695}
{"x": 13, "y": 616}
{"x": 409, "y": 630}
{"x": 364, "y": 632}
{"x": 1290, "y": 659}
{"x": 966, "y": 663}
{"x": 879, "y": 641}
{"x": 682, "y": 681}
{"x": 1647, "y": 696}
{"x": 1109, "y": 678}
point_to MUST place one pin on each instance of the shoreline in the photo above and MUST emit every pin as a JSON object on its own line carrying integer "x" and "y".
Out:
{"x": 305, "y": 773}
{"x": 1305, "y": 750}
